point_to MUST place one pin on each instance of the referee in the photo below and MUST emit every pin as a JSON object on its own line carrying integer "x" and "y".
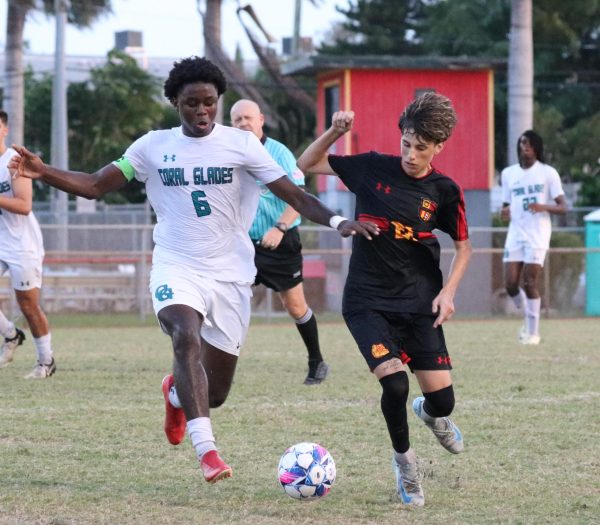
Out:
{"x": 277, "y": 243}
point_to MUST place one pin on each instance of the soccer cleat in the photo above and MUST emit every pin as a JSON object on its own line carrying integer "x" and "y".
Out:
{"x": 9, "y": 346}
{"x": 446, "y": 432}
{"x": 408, "y": 484}
{"x": 523, "y": 333}
{"x": 319, "y": 375}
{"x": 530, "y": 339}
{"x": 42, "y": 371}
{"x": 174, "y": 417}
{"x": 214, "y": 468}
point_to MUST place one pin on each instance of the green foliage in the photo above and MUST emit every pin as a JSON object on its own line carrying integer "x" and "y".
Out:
{"x": 377, "y": 27}
{"x": 119, "y": 103}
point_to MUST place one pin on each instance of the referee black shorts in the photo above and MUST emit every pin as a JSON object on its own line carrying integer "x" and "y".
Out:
{"x": 381, "y": 336}
{"x": 280, "y": 269}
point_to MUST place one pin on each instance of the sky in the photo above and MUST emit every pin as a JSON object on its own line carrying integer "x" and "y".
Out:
{"x": 173, "y": 28}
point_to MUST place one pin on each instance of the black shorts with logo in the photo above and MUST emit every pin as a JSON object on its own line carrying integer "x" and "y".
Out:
{"x": 280, "y": 269}
{"x": 410, "y": 337}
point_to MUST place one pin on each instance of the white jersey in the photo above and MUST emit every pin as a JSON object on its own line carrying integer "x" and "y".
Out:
{"x": 520, "y": 187}
{"x": 204, "y": 193}
{"x": 20, "y": 235}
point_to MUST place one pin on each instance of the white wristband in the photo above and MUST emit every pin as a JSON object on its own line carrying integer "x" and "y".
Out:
{"x": 336, "y": 220}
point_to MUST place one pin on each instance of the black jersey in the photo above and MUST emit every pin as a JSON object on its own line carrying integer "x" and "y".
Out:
{"x": 399, "y": 269}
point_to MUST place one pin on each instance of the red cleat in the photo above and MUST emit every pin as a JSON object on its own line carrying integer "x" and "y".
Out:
{"x": 174, "y": 417}
{"x": 214, "y": 468}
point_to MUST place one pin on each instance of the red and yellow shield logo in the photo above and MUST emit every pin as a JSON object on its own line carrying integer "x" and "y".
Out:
{"x": 379, "y": 350}
{"x": 427, "y": 209}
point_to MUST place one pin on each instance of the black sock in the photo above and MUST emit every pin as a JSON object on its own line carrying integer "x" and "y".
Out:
{"x": 393, "y": 406}
{"x": 310, "y": 335}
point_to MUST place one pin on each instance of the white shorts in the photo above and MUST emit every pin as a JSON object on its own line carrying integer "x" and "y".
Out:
{"x": 524, "y": 252}
{"x": 225, "y": 306}
{"x": 25, "y": 274}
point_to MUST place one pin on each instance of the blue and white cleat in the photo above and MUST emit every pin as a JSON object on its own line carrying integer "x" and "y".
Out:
{"x": 408, "y": 484}
{"x": 446, "y": 432}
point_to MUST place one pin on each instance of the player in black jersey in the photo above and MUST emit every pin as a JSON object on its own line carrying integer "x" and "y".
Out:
{"x": 395, "y": 300}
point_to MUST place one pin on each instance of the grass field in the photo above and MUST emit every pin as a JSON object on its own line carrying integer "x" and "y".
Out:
{"x": 86, "y": 446}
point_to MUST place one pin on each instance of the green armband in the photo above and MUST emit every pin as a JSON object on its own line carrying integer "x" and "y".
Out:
{"x": 125, "y": 166}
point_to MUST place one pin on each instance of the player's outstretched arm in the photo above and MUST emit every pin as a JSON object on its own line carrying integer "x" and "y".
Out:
{"x": 88, "y": 185}
{"x": 312, "y": 208}
{"x": 314, "y": 159}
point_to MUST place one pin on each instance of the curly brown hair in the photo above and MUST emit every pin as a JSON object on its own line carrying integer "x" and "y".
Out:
{"x": 431, "y": 116}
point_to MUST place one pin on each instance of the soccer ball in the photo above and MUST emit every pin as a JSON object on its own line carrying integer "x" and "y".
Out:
{"x": 306, "y": 471}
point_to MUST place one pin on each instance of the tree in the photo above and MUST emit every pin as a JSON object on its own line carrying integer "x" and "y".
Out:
{"x": 119, "y": 103}
{"x": 378, "y": 27}
{"x": 81, "y": 13}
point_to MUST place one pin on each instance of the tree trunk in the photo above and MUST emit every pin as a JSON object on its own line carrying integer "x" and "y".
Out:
{"x": 520, "y": 75}
{"x": 13, "y": 100}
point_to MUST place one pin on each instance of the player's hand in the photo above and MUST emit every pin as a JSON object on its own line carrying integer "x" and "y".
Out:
{"x": 443, "y": 305}
{"x": 25, "y": 164}
{"x": 367, "y": 229}
{"x": 271, "y": 239}
{"x": 342, "y": 121}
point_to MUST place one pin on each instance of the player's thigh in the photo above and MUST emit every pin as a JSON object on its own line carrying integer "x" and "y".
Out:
{"x": 425, "y": 345}
{"x": 25, "y": 274}
{"x": 433, "y": 380}
{"x": 376, "y": 336}
{"x": 227, "y": 315}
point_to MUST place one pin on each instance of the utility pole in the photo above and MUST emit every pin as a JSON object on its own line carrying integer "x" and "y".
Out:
{"x": 296, "y": 35}
{"x": 520, "y": 75}
{"x": 59, "y": 155}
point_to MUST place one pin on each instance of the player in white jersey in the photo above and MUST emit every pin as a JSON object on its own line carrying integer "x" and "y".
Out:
{"x": 275, "y": 235}
{"x": 21, "y": 254}
{"x": 201, "y": 181}
{"x": 531, "y": 192}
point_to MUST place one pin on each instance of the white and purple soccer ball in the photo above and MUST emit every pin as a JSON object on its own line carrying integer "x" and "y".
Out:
{"x": 306, "y": 471}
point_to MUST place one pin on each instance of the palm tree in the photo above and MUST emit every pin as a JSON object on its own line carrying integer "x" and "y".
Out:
{"x": 81, "y": 13}
{"x": 520, "y": 74}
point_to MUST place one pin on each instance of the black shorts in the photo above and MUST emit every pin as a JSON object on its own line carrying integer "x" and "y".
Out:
{"x": 410, "y": 337}
{"x": 280, "y": 269}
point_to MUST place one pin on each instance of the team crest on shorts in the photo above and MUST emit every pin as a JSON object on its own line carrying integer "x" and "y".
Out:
{"x": 379, "y": 350}
{"x": 427, "y": 209}
{"x": 164, "y": 293}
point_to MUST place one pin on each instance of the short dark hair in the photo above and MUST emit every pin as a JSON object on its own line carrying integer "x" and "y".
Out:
{"x": 536, "y": 141}
{"x": 190, "y": 70}
{"x": 3, "y": 117}
{"x": 431, "y": 116}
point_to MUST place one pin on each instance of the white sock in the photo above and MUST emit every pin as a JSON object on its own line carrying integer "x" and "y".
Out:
{"x": 43, "y": 348}
{"x": 201, "y": 435}
{"x": 533, "y": 315}
{"x": 7, "y": 328}
{"x": 174, "y": 398}
{"x": 426, "y": 417}
{"x": 404, "y": 458}
{"x": 305, "y": 318}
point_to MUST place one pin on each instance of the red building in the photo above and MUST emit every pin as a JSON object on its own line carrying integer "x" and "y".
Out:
{"x": 378, "y": 88}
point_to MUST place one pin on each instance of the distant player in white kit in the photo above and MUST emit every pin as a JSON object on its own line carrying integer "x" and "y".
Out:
{"x": 201, "y": 181}
{"x": 21, "y": 254}
{"x": 531, "y": 192}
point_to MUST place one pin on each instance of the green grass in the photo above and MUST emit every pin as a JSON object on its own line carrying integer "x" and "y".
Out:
{"x": 86, "y": 446}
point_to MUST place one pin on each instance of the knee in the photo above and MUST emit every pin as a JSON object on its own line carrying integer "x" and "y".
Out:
{"x": 439, "y": 403}
{"x": 216, "y": 399}
{"x": 395, "y": 387}
{"x": 512, "y": 288}
{"x": 184, "y": 338}
{"x": 28, "y": 307}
